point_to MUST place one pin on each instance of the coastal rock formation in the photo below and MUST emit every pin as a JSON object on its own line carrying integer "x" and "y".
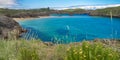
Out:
{"x": 9, "y": 28}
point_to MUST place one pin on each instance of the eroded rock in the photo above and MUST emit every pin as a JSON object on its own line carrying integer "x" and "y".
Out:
{"x": 9, "y": 28}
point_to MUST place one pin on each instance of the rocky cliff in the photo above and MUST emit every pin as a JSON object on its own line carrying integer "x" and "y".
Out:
{"x": 9, "y": 28}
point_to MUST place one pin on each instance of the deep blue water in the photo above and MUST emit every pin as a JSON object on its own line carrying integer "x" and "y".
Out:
{"x": 75, "y": 28}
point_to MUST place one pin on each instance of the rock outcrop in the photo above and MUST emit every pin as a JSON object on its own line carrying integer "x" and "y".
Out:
{"x": 9, "y": 28}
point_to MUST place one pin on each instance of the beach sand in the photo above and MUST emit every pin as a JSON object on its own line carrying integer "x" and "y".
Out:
{"x": 29, "y": 18}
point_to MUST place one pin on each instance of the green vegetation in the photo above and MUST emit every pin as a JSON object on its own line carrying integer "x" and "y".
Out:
{"x": 106, "y": 12}
{"x": 88, "y": 51}
{"x": 27, "y": 53}
{"x": 74, "y": 11}
{"x": 22, "y": 13}
{"x": 18, "y": 50}
{"x": 21, "y": 49}
{"x": 25, "y": 12}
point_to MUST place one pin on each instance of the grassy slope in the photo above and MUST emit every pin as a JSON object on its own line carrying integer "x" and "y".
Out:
{"x": 106, "y": 12}
{"x": 25, "y": 12}
{"x": 45, "y": 11}
{"x": 36, "y": 50}
{"x": 74, "y": 11}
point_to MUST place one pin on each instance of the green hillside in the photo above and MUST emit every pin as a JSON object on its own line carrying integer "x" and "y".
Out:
{"x": 106, "y": 12}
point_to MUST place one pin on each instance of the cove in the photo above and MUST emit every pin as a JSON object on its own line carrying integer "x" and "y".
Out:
{"x": 76, "y": 28}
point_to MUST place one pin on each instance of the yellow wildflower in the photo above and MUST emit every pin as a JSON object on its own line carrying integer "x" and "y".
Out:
{"x": 84, "y": 56}
{"x": 80, "y": 49}
{"x": 80, "y": 52}
{"x": 86, "y": 46}
{"x": 110, "y": 54}
{"x": 68, "y": 49}
{"x": 99, "y": 55}
{"x": 74, "y": 50}
{"x": 75, "y": 53}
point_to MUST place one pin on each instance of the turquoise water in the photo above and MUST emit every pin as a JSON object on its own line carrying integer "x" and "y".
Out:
{"x": 65, "y": 29}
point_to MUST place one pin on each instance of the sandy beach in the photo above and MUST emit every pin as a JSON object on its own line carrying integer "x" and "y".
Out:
{"x": 29, "y": 18}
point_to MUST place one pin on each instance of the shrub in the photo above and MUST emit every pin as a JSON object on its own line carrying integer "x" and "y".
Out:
{"x": 28, "y": 54}
{"x": 94, "y": 51}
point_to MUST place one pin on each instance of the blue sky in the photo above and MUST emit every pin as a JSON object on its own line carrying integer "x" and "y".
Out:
{"x": 62, "y": 3}
{"x": 52, "y": 3}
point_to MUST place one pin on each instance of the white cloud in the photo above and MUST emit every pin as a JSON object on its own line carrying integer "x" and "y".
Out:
{"x": 7, "y": 3}
{"x": 92, "y": 6}
{"x": 101, "y": 6}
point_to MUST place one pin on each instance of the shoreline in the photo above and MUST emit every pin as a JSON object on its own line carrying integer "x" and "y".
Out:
{"x": 29, "y": 18}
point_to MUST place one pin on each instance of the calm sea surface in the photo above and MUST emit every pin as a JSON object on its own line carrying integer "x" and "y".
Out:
{"x": 65, "y": 29}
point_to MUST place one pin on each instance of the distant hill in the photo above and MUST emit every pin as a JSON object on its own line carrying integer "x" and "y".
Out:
{"x": 23, "y": 13}
{"x": 106, "y": 12}
{"x": 72, "y": 11}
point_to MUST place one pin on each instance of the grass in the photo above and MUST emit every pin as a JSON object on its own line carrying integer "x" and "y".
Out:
{"x": 36, "y": 50}
{"x": 94, "y": 51}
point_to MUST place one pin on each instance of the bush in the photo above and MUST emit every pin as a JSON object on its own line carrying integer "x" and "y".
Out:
{"x": 37, "y": 50}
{"x": 94, "y": 51}
{"x": 28, "y": 54}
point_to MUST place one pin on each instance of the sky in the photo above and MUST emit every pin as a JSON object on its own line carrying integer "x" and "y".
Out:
{"x": 29, "y": 4}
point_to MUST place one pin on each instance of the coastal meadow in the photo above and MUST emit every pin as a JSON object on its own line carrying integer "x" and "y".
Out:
{"x": 21, "y": 49}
